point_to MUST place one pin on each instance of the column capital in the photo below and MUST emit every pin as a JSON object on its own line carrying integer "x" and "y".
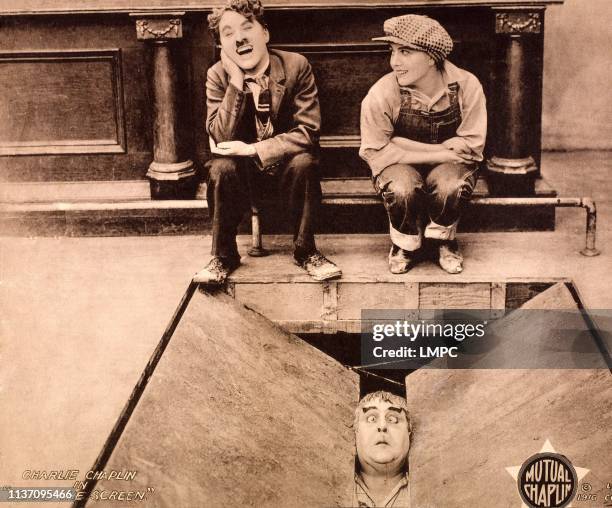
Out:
{"x": 518, "y": 22}
{"x": 158, "y": 26}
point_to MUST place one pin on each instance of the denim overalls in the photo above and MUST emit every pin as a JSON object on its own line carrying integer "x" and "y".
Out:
{"x": 425, "y": 126}
{"x": 413, "y": 194}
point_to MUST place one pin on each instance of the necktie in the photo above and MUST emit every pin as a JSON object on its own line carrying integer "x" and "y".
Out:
{"x": 262, "y": 106}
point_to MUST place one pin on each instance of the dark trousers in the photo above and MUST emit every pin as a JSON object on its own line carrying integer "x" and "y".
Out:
{"x": 235, "y": 182}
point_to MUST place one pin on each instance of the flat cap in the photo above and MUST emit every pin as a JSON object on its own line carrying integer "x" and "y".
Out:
{"x": 418, "y": 32}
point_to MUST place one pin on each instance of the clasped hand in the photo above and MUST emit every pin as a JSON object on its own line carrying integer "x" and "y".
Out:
{"x": 456, "y": 157}
{"x": 232, "y": 148}
{"x": 456, "y": 151}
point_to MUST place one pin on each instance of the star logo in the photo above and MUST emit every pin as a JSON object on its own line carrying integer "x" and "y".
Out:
{"x": 547, "y": 479}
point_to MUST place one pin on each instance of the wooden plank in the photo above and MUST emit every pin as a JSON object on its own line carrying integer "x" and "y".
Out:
{"x": 352, "y": 326}
{"x": 498, "y": 299}
{"x": 455, "y": 296}
{"x": 501, "y": 417}
{"x": 297, "y": 301}
{"x": 354, "y": 297}
{"x": 237, "y": 413}
{"x": 362, "y": 188}
{"x": 330, "y": 306}
{"x": 411, "y": 299}
{"x": 74, "y": 192}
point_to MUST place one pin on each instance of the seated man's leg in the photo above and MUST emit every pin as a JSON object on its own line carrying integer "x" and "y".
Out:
{"x": 300, "y": 189}
{"x": 228, "y": 199}
{"x": 449, "y": 186}
{"x": 402, "y": 189}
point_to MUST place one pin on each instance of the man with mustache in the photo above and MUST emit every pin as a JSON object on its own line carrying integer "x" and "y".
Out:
{"x": 423, "y": 129}
{"x": 382, "y": 437}
{"x": 263, "y": 119}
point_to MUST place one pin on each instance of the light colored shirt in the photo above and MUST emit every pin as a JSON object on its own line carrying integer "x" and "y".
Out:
{"x": 399, "y": 497}
{"x": 381, "y": 106}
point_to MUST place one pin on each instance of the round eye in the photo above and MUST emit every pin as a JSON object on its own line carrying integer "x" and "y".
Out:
{"x": 392, "y": 419}
{"x": 371, "y": 418}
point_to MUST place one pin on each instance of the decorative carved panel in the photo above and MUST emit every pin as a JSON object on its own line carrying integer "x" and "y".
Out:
{"x": 159, "y": 27}
{"x": 518, "y": 22}
{"x": 61, "y": 102}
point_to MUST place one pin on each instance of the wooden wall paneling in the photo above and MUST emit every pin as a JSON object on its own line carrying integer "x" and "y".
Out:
{"x": 201, "y": 46}
{"x": 86, "y": 34}
{"x": 336, "y": 39}
{"x": 58, "y": 102}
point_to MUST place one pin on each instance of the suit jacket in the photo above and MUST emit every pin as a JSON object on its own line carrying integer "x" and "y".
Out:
{"x": 294, "y": 108}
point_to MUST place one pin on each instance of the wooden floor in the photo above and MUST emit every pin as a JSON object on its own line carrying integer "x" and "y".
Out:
{"x": 488, "y": 257}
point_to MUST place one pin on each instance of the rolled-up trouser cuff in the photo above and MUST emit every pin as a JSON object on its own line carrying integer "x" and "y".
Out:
{"x": 404, "y": 241}
{"x": 440, "y": 232}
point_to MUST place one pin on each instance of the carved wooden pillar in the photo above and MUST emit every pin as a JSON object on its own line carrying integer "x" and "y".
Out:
{"x": 171, "y": 174}
{"x": 513, "y": 167}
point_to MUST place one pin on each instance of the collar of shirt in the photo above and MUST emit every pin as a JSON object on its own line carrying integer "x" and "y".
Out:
{"x": 365, "y": 498}
{"x": 441, "y": 100}
{"x": 250, "y": 81}
{"x": 266, "y": 72}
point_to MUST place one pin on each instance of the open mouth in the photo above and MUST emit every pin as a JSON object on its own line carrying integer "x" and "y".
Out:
{"x": 244, "y": 50}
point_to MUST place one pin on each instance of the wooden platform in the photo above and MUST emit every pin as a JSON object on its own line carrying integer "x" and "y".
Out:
{"x": 337, "y": 306}
{"x": 283, "y": 292}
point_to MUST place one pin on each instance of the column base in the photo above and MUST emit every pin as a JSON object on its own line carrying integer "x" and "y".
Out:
{"x": 511, "y": 177}
{"x": 172, "y": 180}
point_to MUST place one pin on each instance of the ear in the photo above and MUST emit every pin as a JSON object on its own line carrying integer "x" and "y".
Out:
{"x": 266, "y": 35}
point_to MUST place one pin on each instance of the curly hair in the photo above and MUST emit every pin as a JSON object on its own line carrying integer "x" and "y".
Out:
{"x": 384, "y": 396}
{"x": 250, "y": 9}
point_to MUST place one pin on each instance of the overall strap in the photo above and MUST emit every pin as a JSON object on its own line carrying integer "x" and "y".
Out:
{"x": 453, "y": 93}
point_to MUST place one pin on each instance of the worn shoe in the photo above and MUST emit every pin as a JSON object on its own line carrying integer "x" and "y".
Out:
{"x": 318, "y": 266}
{"x": 217, "y": 270}
{"x": 399, "y": 260}
{"x": 450, "y": 259}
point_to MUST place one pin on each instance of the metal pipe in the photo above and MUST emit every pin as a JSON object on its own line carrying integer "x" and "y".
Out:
{"x": 587, "y": 203}
{"x": 256, "y": 249}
